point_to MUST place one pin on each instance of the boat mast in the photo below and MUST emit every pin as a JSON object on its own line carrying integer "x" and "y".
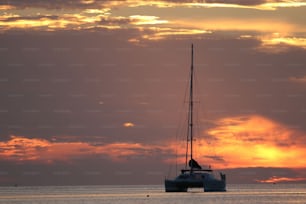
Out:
{"x": 190, "y": 110}
{"x": 191, "y": 103}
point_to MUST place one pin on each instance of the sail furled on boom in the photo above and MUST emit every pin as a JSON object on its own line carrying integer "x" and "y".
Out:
{"x": 194, "y": 164}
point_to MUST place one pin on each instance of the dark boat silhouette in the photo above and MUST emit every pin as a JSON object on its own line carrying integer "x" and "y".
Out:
{"x": 194, "y": 176}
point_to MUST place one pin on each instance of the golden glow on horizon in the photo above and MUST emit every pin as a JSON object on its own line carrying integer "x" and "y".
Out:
{"x": 276, "y": 179}
{"x": 245, "y": 141}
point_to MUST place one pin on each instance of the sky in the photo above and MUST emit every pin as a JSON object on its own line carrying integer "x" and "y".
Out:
{"x": 93, "y": 91}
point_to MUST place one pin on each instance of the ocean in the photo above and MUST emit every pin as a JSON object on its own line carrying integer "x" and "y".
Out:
{"x": 136, "y": 194}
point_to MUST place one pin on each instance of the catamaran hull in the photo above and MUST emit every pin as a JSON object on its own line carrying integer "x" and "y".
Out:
{"x": 214, "y": 186}
{"x": 208, "y": 185}
{"x": 174, "y": 186}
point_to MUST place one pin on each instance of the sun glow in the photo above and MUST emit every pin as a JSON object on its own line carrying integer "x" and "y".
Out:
{"x": 249, "y": 141}
{"x": 257, "y": 141}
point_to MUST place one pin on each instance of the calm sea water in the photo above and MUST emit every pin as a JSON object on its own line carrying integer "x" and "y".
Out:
{"x": 252, "y": 193}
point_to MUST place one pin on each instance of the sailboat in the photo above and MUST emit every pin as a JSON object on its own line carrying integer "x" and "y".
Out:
{"x": 193, "y": 175}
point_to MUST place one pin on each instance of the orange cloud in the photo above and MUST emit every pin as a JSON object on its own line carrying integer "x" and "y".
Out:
{"x": 282, "y": 4}
{"x": 260, "y": 5}
{"x": 261, "y": 25}
{"x": 241, "y": 141}
{"x": 146, "y": 20}
{"x": 159, "y": 33}
{"x": 249, "y": 141}
{"x": 88, "y": 18}
{"x": 298, "y": 79}
{"x": 274, "y": 35}
{"x": 6, "y": 7}
{"x": 32, "y": 149}
{"x": 276, "y": 179}
{"x": 253, "y": 4}
{"x": 36, "y": 22}
{"x": 275, "y": 42}
{"x": 89, "y": 14}
{"x": 19, "y": 148}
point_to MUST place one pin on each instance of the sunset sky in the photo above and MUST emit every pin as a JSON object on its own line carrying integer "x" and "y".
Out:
{"x": 92, "y": 91}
